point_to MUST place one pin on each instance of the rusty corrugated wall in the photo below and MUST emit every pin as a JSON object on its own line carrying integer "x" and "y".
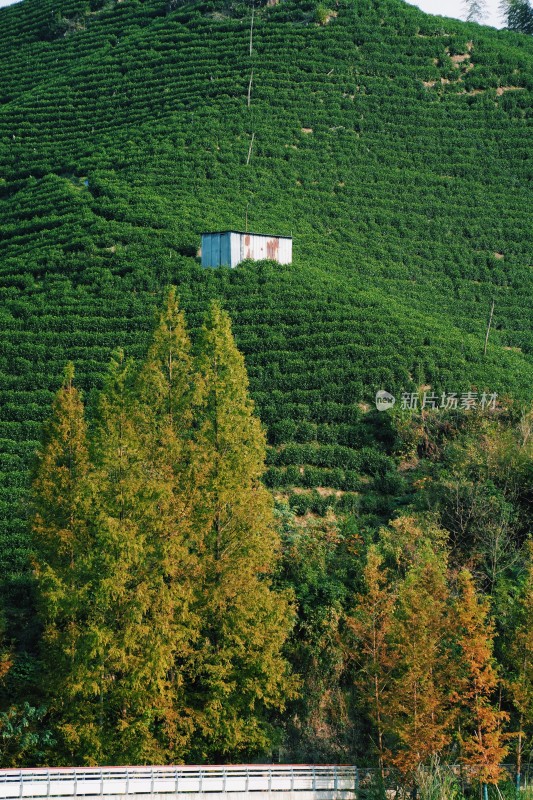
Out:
{"x": 231, "y": 247}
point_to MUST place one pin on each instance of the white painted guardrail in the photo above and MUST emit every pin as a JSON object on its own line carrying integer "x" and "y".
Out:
{"x": 228, "y": 783}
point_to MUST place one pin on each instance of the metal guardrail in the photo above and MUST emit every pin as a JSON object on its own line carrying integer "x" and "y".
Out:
{"x": 316, "y": 781}
{"x": 320, "y": 782}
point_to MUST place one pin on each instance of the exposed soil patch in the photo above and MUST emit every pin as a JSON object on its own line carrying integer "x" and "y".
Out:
{"x": 409, "y": 463}
{"x": 501, "y": 89}
{"x": 458, "y": 59}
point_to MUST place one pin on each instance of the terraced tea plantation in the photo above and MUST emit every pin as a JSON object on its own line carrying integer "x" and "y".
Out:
{"x": 395, "y": 147}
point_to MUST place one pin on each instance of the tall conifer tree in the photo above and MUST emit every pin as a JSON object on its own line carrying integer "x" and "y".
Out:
{"x": 402, "y": 646}
{"x": 481, "y": 722}
{"x": 134, "y": 614}
{"x": 419, "y": 713}
{"x": 170, "y": 494}
{"x": 164, "y": 421}
{"x": 371, "y": 624}
{"x": 238, "y": 673}
{"x": 62, "y": 542}
{"x": 154, "y": 550}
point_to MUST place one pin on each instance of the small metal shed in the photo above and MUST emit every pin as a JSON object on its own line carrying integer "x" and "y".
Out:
{"x": 229, "y": 248}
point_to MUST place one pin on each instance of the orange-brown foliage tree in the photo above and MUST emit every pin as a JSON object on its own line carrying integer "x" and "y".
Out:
{"x": 370, "y": 625}
{"x": 419, "y": 710}
{"x": 481, "y": 721}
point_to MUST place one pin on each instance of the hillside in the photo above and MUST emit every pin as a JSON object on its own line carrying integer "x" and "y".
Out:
{"x": 396, "y": 147}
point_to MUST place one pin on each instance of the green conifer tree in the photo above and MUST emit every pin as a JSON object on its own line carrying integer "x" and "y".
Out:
{"x": 144, "y": 492}
{"x": 164, "y": 421}
{"x": 170, "y": 492}
{"x": 375, "y": 658}
{"x": 62, "y": 544}
{"x": 133, "y": 627}
{"x": 154, "y": 547}
{"x": 237, "y": 674}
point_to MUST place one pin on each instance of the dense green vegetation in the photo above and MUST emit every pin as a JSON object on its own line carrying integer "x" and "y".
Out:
{"x": 171, "y": 610}
{"x": 154, "y": 544}
{"x": 396, "y": 147}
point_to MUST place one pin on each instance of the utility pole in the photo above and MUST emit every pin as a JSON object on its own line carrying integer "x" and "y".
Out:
{"x": 250, "y": 88}
{"x": 250, "y": 149}
{"x": 252, "y": 31}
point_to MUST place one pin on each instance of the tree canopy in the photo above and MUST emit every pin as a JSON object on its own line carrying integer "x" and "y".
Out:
{"x": 154, "y": 547}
